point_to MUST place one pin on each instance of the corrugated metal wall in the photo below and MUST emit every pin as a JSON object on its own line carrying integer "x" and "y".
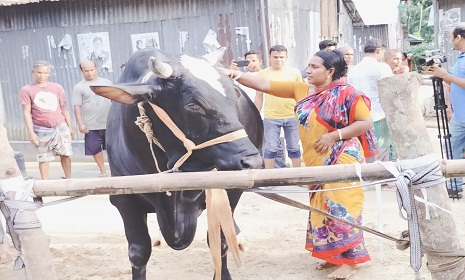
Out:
{"x": 356, "y": 36}
{"x": 362, "y": 34}
{"x": 346, "y": 28}
{"x": 39, "y": 31}
{"x": 442, "y": 40}
{"x": 296, "y": 25}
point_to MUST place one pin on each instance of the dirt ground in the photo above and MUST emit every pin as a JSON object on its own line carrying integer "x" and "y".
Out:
{"x": 87, "y": 240}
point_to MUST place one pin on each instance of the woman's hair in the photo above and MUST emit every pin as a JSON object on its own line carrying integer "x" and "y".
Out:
{"x": 334, "y": 59}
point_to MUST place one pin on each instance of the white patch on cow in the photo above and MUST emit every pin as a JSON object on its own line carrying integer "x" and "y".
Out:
{"x": 203, "y": 70}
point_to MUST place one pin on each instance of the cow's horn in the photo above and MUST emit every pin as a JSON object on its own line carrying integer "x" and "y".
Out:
{"x": 214, "y": 57}
{"x": 161, "y": 69}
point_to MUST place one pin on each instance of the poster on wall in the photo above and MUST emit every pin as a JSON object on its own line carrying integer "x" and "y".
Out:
{"x": 183, "y": 38}
{"x": 96, "y": 47}
{"x": 210, "y": 42}
{"x": 447, "y": 20}
{"x": 64, "y": 50}
{"x": 145, "y": 40}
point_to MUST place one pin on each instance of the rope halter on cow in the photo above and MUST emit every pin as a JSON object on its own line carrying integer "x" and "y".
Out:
{"x": 144, "y": 123}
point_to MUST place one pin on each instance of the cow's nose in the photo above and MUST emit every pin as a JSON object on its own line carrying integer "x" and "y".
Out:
{"x": 252, "y": 162}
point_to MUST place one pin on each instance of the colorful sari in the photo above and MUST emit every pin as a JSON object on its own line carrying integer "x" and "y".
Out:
{"x": 336, "y": 107}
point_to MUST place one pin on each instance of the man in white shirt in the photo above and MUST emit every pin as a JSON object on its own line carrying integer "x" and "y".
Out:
{"x": 364, "y": 77}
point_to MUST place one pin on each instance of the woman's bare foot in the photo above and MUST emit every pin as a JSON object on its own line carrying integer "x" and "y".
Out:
{"x": 344, "y": 272}
{"x": 324, "y": 265}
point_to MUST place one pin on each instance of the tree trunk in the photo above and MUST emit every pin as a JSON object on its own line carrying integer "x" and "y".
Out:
{"x": 398, "y": 97}
{"x": 34, "y": 243}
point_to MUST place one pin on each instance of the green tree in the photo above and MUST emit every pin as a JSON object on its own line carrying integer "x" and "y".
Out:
{"x": 415, "y": 14}
{"x": 418, "y": 52}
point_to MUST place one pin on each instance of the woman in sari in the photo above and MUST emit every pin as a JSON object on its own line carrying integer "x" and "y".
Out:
{"x": 335, "y": 127}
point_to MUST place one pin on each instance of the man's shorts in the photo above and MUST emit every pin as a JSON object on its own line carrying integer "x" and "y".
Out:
{"x": 94, "y": 142}
{"x": 54, "y": 141}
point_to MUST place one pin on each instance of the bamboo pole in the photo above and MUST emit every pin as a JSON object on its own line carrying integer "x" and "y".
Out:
{"x": 34, "y": 244}
{"x": 408, "y": 129}
{"x": 225, "y": 179}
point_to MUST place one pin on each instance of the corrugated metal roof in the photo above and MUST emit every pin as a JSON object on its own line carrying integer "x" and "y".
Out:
{"x": 20, "y": 2}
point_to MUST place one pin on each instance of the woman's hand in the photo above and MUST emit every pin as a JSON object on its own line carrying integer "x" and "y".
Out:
{"x": 324, "y": 143}
{"x": 225, "y": 71}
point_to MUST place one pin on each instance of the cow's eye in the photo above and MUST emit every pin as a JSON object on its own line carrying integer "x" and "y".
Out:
{"x": 195, "y": 108}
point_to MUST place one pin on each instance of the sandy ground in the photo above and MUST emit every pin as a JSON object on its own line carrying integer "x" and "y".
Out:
{"x": 87, "y": 240}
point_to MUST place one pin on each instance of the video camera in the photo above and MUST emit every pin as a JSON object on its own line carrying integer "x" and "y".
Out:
{"x": 432, "y": 57}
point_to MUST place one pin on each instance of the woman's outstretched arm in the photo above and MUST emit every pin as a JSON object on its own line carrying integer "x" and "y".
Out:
{"x": 251, "y": 81}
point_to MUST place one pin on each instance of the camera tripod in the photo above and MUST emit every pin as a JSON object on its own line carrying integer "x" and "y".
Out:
{"x": 443, "y": 129}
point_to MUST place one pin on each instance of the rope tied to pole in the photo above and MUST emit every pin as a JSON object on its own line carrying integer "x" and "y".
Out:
{"x": 408, "y": 182}
{"x": 10, "y": 207}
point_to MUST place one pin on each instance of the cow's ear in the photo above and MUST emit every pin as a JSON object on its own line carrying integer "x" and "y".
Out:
{"x": 214, "y": 57}
{"x": 126, "y": 93}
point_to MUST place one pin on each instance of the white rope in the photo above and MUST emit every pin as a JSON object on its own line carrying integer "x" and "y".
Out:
{"x": 407, "y": 182}
{"x": 10, "y": 207}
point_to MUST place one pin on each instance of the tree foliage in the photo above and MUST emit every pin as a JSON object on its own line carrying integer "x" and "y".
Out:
{"x": 418, "y": 53}
{"x": 415, "y": 14}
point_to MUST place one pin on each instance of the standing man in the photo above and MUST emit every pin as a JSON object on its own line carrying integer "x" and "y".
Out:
{"x": 279, "y": 112}
{"x": 47, "y": 119}
{"x": 91, "y": 111}
{"x": 348, "y": 53}
{"x": 364, "y": 77}
{"x": 327, "y": 45}
{"x": 393, "y": 58}
{"x": 457, "y": 96}
{"x": 254, "y": 66}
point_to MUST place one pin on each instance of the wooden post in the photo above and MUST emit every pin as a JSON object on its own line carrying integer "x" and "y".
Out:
{"x": 398, "y": 97}
{"x": 34, "y": 244}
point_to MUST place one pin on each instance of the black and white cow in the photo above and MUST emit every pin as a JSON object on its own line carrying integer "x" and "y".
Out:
{"x": 205, "y": 105}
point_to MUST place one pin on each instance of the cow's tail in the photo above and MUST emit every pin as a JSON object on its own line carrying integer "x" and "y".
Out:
{"x": 219, "y": 216}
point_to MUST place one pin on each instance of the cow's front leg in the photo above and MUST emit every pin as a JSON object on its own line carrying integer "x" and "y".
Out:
{"x": 135, "y": 226}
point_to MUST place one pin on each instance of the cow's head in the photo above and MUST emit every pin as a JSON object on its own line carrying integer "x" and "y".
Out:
{"x": 197, "y": 97}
